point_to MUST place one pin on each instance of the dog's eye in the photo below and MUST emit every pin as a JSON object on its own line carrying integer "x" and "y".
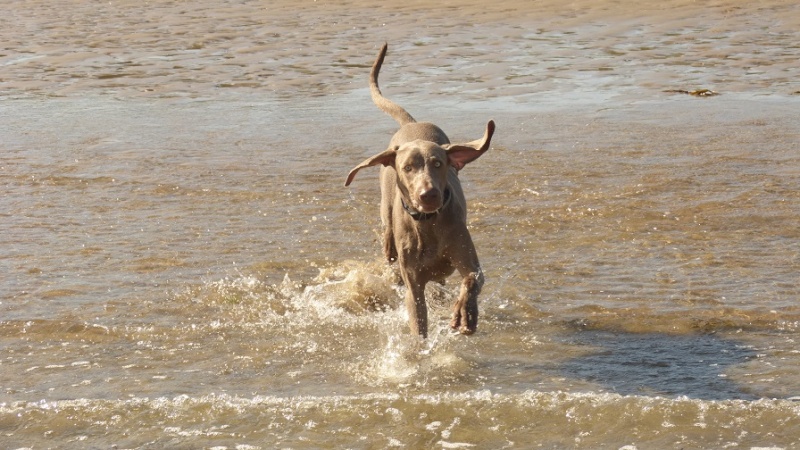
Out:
{"x": 437, "y": 164}
{"x": 408, "y": 168}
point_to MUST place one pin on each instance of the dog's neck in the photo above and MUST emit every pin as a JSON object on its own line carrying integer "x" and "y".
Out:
{"x": 417, "y": 215}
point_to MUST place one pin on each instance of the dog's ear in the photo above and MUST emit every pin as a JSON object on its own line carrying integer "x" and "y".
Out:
{"x": 386, "y": 158}
{"x": 460, "y": 155}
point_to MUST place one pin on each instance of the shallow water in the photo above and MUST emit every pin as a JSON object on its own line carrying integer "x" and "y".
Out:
{"x": 182, "y": 267}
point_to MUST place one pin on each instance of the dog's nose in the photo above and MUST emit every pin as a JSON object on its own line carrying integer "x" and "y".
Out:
{"x": 429, "y": 195}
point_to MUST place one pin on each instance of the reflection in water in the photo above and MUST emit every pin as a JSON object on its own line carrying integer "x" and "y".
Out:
{"x": 660, "y": 364}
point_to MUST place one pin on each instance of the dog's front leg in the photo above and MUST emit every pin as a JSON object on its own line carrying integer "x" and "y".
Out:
{"x": 415, "y": 305}
{"x": 465, "y": 309}
{"x": 389, "y": 250}
{"x": 388, "y": 187}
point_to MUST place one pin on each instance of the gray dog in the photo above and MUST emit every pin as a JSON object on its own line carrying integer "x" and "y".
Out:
{"x": 423, "y": 210}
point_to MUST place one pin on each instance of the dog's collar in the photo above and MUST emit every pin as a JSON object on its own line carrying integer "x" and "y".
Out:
{"x": 416, "y": 215}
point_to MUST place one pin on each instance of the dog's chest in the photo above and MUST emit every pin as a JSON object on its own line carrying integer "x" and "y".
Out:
{"x": 425, "y": 248}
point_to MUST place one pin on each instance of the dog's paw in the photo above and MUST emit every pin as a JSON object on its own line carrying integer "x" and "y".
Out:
{"x": 464, "y": 326}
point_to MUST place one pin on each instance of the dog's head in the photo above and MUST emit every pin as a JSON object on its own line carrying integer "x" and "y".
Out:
{"x": 422, "y": 167}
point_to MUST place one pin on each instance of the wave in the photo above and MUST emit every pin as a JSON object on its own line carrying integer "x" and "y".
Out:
{"x": 481, "y": 419}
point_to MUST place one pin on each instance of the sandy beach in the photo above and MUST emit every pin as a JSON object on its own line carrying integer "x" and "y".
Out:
{"x": 181, "y": 267}
{"x": 506, "y": 48}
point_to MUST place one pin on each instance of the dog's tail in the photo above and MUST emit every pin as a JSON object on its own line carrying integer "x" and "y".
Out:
{"x": 389, "y": 107}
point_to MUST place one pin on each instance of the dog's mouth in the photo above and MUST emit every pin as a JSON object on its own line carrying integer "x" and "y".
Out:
{"x": 421, "y": 208}
{"x": 428, "y": 205}
{"x": 432, "y": 202}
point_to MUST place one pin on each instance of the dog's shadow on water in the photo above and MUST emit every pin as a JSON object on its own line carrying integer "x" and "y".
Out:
{"x": 660, "y": 364}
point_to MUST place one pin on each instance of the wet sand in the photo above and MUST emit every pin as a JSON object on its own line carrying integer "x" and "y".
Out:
{"x": 506, "y": 48}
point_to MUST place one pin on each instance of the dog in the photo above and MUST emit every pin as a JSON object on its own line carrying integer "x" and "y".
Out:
{"x": 424, "y": 212}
